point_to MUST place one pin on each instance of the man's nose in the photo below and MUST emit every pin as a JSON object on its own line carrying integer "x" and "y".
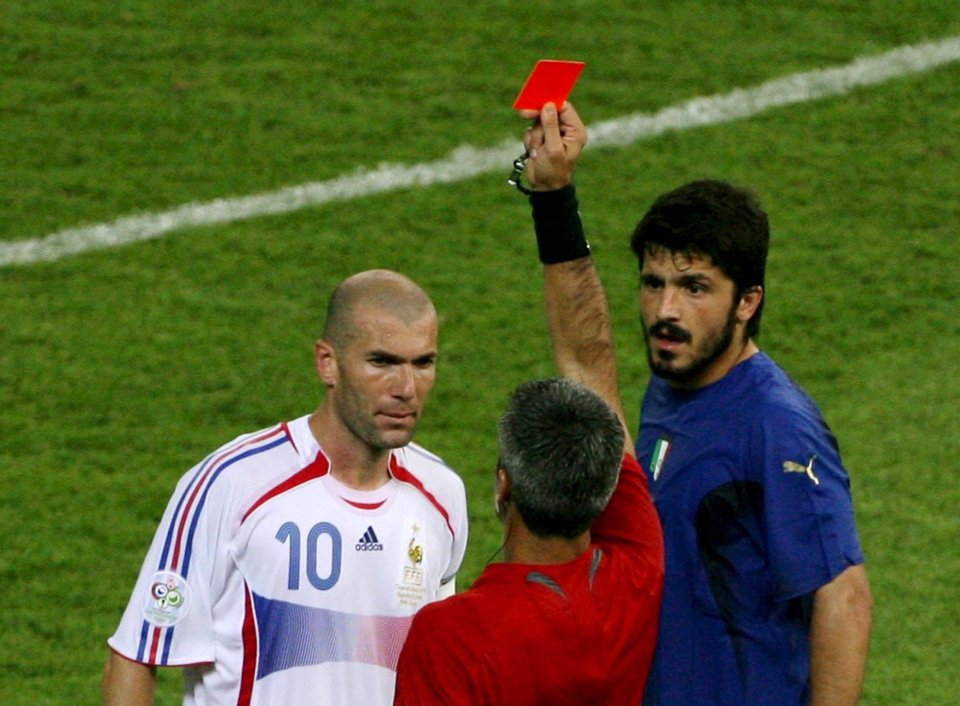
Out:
{"x": 668, "y": 308}
{"x": 403, "y": 385}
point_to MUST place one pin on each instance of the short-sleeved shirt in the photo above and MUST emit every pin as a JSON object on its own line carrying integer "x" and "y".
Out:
{"x": 577, "y": 633}
{"x": 273, "y": 583}
{"x": 757, "y": 515}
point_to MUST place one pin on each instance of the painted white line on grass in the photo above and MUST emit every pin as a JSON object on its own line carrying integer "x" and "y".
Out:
{"x": 466, "y": 162}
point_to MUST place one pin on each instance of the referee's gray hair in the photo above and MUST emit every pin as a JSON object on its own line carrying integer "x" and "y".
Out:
{"x": 562, "y": 445}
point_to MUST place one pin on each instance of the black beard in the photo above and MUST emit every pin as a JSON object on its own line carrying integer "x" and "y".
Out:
{"x": 717, "y": 348}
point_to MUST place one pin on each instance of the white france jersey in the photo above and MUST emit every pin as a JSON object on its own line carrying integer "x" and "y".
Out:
{"x": 273, "y": 583}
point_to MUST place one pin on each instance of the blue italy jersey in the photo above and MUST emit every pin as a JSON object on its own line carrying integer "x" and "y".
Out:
{"x": 757, "y": 515}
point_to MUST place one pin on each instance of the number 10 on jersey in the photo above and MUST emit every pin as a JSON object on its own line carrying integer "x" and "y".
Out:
{"x": 322, "y": 533}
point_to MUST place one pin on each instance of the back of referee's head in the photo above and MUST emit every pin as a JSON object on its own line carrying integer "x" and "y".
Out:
{"x": 561, "y": 445}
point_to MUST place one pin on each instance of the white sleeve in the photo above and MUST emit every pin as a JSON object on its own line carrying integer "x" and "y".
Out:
{"x": 447, "y": 588}
{"x": 458, "y": 520}
{"x": 168, "y": 619}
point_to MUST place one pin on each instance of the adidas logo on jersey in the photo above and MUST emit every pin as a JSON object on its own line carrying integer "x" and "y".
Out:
{"x": 369, "y": 542}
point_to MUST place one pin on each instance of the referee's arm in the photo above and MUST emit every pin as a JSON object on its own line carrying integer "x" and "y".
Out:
{"x": 576, "y": 305}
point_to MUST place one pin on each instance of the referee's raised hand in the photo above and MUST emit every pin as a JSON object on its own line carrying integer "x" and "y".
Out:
{"x": 553, "y": 144}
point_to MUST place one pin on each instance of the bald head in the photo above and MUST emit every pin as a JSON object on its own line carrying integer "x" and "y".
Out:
{"x": 385, "y": 290}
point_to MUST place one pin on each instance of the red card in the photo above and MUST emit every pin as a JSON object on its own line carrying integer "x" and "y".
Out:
{"x": 549, "y": 81}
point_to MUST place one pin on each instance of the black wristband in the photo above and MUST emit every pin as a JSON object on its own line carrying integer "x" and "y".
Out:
{"x": 556, "y": 221}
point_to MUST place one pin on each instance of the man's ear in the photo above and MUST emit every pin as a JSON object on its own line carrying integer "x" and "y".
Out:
{"x": 326, "y": 361}
{"x": 501, "y": 492}
{"x": 749, "y": 303}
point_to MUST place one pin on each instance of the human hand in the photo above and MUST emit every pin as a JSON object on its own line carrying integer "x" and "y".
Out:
{"x": 553, "y": 144}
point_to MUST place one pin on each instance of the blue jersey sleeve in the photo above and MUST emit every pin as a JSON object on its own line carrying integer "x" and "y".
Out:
{"x": 811, "y": 532}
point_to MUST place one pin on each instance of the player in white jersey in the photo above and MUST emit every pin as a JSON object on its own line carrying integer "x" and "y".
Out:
{"x": 289, "y": 563}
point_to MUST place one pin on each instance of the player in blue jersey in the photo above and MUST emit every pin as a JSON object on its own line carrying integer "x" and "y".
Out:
{"x": 766, "y": 598}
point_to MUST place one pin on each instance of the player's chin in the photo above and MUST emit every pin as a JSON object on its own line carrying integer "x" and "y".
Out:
{"x": 662, "y": 361}
{"x": 668, "y": 367}
{"x": 397, "y": 437}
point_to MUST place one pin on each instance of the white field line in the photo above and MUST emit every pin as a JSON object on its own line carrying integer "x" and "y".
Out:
{"x": 466, "y": 162}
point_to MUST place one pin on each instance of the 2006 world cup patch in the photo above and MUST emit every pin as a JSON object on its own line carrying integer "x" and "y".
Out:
{"x": 168, "y": 599}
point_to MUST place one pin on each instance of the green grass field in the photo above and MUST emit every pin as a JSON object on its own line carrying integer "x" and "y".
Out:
{"x": 120, "y": 368}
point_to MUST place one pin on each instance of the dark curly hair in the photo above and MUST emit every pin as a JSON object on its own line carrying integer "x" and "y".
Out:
{"x": 714, "y": 219}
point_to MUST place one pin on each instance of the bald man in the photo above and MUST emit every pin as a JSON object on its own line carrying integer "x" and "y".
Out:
{"x": 289, "y": 563}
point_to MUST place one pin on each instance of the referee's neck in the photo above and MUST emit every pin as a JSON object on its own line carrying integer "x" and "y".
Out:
{"x": 524, "y": 547}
